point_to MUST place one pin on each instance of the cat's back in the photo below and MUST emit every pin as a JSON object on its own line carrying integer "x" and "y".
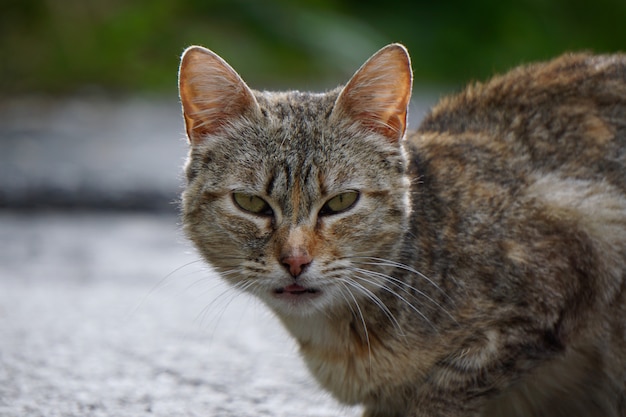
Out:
{"x": 525, "y": 171}
{"x": 527, "y": 95}
{"x": 519, "y": 194}
{"x": 567, "y": 115}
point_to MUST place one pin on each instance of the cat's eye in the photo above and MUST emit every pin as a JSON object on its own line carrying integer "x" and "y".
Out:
{"x": 252, "y": 203}
{"x": 340, "y": 202}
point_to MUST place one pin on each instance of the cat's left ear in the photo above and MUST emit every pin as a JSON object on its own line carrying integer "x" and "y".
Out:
{"x": 378, "y": 94}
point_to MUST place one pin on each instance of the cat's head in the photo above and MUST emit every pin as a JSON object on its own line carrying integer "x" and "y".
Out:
{"x": 299, "y": 198}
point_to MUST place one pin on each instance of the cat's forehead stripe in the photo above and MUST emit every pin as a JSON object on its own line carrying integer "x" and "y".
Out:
{"x": 271, "y": 182}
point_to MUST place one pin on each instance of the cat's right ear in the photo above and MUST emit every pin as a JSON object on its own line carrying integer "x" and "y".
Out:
{"x": 377, "y": 96}
{"x": 211, "y": 92}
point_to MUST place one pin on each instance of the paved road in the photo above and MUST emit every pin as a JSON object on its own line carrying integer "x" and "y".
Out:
{"x": 112, "y": 315}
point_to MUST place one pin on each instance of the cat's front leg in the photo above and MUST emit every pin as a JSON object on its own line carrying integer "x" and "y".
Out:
{"x": 446, "y": 405}
{"x": 432, "y": 400}
{"x": 457, "y": 389}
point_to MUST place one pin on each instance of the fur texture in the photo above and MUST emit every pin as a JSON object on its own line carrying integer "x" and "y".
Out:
{"x": 480, "y": 269}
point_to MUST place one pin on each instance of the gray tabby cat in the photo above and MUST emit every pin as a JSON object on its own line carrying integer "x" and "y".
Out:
{"x": 475, "y": 267}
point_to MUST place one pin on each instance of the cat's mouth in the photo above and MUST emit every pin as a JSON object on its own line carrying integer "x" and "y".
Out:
{"x": 295, "y": 290}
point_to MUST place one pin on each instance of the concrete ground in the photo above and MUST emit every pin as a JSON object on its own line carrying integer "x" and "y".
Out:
{"x": 105, "y": 310}
{"x": 112, "y": 315}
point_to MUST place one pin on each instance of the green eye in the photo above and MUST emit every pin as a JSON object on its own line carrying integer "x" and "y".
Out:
{"x": 252, "y": 203}
{"x": 340, "y": 202}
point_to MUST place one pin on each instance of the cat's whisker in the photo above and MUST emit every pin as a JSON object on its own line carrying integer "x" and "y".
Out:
{"x": 397, "y": 281}
{"x": 367, "y": 279}
{"x": 233, "y": 291}
{"x": 348, "y": 303}
{"x": 376, "y": 300}
{"x": 237, "y": 258}
{"x": 167, "y": 277}
{"x": 234, "y": 271}
{"x": 217, "y": 283}
{"x": 160, "y": 284}
{"x": 203, "y": 314}
{"x": 401, "y": 285}
{"x": 399, "y": 265}
{"x": 210, "y": 276}
{"x": 217, "y": 298}
{"x": 362, "y": 318}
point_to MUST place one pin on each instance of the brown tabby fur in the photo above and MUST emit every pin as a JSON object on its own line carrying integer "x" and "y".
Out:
{"x": 481, "y": 272}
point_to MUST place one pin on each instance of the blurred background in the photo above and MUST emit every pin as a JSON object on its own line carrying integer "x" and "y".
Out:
{"x": 133, "y": 45}
{"x": 103, "y": 305}
{"x": 96, "y": 70}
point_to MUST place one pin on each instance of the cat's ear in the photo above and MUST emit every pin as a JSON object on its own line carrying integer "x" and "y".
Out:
{"x": 378, "y": 94}
{"x": 211, "y": 92}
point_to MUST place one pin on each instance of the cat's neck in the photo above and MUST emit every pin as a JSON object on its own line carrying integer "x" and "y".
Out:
{"x": 318, "y": 331}
{"x": 348, "y": 352}
{"x": 340, "y": 333}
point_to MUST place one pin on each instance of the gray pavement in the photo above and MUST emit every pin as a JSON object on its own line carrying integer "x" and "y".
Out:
{"x": 111, "y": 315}
{"x": 105, "y": 310}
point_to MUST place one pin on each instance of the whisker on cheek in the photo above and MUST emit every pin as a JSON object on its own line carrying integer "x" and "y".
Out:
{"x": 221, "y": 302}
{"x": 376, "y": 261}
{"x": 377, "y": 301}
{"x": 402, "y": 286}
{"x": 360, "y": 317}
{"x": 166, "y": 281}
{"x": 398, "y": 296}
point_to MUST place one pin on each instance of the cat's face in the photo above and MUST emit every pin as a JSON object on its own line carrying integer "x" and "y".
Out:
{"x": 298, "y": 198}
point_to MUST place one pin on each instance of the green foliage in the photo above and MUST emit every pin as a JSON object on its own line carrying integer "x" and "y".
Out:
{"x": 129, "y": 45}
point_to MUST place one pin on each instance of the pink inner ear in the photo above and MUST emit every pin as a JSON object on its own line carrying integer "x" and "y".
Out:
{"x": 393, "y": 128}
{"x": 211, "y": 92}
{"x": 378, "y": 94}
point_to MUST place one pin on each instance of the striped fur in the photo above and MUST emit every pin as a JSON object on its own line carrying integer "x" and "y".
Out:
{"x": 481, "y": 272}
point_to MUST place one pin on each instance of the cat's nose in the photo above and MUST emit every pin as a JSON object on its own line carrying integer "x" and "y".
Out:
{"x": 295, "y": 264}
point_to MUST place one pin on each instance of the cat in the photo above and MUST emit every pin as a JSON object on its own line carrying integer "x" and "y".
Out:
{"x": 474, "y": 267}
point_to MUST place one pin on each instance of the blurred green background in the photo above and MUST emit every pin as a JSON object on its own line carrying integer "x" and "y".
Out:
{"x": 69, "y": 46}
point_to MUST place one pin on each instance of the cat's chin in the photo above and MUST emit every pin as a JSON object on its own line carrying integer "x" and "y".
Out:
{"x": 295, "y": 299}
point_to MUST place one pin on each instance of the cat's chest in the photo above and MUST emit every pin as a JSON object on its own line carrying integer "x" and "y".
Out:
{"x": 353, "y": 364}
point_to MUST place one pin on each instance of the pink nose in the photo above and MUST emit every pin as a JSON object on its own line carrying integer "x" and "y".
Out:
{"x": 295, "y": 264}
